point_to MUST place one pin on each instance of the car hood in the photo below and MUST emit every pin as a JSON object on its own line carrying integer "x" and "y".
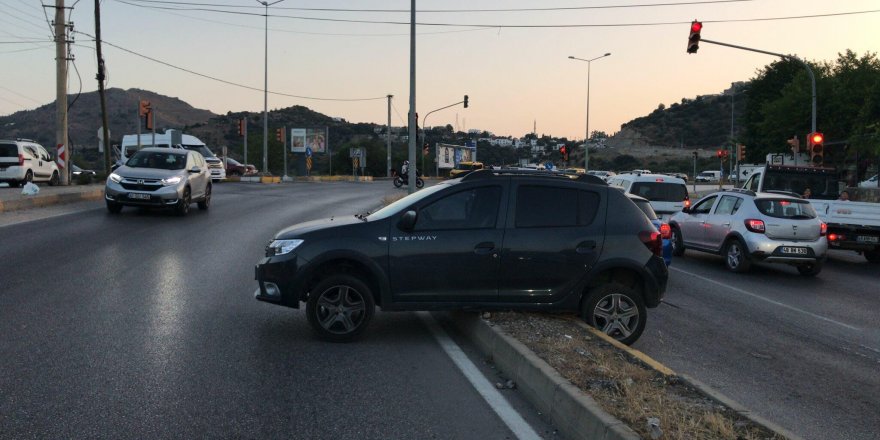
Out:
{"x": 300, "y": 229}
{"x": 146, "y": 173}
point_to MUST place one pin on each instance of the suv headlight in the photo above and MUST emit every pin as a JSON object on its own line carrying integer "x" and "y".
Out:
{"x": 174, "y": 180}
{"x": 115, "y": 177}
{"x": 281, "y": 247}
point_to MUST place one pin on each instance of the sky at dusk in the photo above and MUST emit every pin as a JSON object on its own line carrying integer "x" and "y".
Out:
{"x": 514, "y": 76}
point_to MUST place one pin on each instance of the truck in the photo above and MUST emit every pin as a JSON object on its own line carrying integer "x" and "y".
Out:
{"x": 171, "y": 139}
{"x": 852, "y": 225}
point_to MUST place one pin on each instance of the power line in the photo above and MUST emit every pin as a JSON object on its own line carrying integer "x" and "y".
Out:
{"x": 225, "y": 81}
{"x": 422, "y": 11}
{"x": 508, "y": 26}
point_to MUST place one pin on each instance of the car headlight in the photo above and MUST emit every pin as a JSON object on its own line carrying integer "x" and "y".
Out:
{"x": 174, "y": 180}
{"x": 115, "y": 177}
{"x": 281, "y": 247}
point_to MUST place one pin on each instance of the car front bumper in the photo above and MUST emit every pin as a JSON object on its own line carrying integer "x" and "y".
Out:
{"x": 163, "y": 196}
{"x": 280, "y": 279}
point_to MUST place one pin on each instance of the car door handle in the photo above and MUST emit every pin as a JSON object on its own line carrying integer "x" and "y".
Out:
{"x": 727, "y": 224}
{"x": 586, "y": 247}
{"x": 484, "y": 248}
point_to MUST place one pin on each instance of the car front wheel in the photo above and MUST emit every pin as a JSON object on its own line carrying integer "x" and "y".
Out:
{"x": 340, "y": 307}
{"x": 616, "y": 310}
{"x": 206, "y": 202}
{"x": 677, "y": 243}
{"x": 182, "y": 207}
{"x": 113, "y": 207}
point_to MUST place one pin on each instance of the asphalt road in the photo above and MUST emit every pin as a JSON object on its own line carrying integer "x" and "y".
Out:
{"x": 143, "y": 325}
{"x": 801, "y": 352}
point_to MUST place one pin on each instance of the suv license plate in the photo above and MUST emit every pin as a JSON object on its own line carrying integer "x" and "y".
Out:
{"x": 138, "y": 196}
{"x": 794, "y": 250}
{"x": 867, "y": 239}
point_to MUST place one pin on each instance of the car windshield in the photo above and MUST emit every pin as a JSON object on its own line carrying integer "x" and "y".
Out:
{"x": 660, "y": 191}
{"x": 645, "y": 206}
{"x": 822, "y": 185}
{"x": 157, "y": 160}
{"x": 395, "y": 207}
{"x": 8, "y": 150}
{"x": 201, "y": 149}
{"x": 786, "y": 208}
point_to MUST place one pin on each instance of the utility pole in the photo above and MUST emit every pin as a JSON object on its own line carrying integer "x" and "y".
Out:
{"x": 61, "y": 93}
{"x": 388, "y": 137}
{"x": 100, "y": 78}
{"x": 412, "y": 99}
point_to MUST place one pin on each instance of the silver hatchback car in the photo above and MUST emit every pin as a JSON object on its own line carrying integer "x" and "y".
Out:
{"x": 745, "y": 227}
{"x": 160, "y": 178}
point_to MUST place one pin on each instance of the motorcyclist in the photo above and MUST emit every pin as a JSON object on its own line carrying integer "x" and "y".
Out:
{"x": 404, "y": 169}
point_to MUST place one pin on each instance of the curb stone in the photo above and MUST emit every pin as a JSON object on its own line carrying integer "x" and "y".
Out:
{"x": 50, "y": 199}
{"x": 576, "y": 414}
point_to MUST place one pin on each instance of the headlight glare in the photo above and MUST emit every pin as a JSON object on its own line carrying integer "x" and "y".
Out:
{"x": 115, "y": 177}
{"x": 281, "y": 247}
{"x": 174, "y": 180}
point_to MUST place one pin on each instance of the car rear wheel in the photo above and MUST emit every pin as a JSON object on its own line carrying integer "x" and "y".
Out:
{"x": 113, "y": 207}
{"x": 810, "y": 270}
{"x": 206, "y": 202}
{"x": 28, "y": 177}
{"x": 873, "y": 256}
{"x": 340, "y": 307}
{"x": 55, "y": 179}
{"x": 736, "y": 256}
{"x": 677, "y": 242}
{"x": 182, "y": 207}
{"x": 616, "y": 310}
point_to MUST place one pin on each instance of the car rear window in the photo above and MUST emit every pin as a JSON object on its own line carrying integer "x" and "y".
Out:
{"x": 786, "y": 208}
{"x": 660, "y": 191}
{"x": 8, "y": 150}
{"x": 645, "y": 206}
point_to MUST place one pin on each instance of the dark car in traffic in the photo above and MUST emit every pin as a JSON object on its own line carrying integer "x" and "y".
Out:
{"x": 236, "y": 168}
{"x": 492, "y": 240}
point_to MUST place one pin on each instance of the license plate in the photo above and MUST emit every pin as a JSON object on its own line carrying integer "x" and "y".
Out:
{"x": 867, "y": 239}
{"x": 138, "y": 196}
{"x": 794, "y": 250}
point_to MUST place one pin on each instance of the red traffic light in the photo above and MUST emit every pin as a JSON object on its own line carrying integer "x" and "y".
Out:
{"x": 719, "y": 153}
{"x": 562, "y": 150}
{"x": 694, "y": 37}
{"x": 696, "y": 26}
{"x": 817, "y": 138}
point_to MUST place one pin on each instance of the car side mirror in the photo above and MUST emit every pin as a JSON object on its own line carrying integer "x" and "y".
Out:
{"x": 195, "y": 170}
{"x": 408, "y": 221}
{"x": 686, "y": 210}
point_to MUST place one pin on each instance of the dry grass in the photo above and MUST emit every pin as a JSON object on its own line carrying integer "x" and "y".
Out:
{"x": 623, "y": 386}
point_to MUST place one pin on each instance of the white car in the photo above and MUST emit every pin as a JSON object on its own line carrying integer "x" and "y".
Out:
{"x": 871, "y": 182}
{"x": 23, "y": 160}
{"x": 667, "y": 194}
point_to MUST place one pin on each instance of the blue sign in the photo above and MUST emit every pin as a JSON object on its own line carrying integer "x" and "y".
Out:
{"x": 308, "y": 151}
{"x": 548, "y": 166}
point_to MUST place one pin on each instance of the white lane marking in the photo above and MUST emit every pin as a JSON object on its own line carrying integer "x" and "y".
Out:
{"x": 520, "y": 428}
{"x": 777, "y": 303}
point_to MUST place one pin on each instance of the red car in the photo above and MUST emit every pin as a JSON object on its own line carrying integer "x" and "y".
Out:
{"x": 235, "y": 168}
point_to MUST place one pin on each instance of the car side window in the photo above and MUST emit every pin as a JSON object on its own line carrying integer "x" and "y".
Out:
{"x": 728, "y": 205}
{"x": 704, "y": 206}
{"x": 545, "y": 206}
{"x": 588, "y": 206}
{"x": 475, "y": 208}
{"x": 31, "y": 152}
{"x": 753, "y": 185}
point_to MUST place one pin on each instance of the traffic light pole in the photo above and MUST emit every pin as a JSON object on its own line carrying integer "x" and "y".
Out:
{"x": 425, "y": 127}
{"x": 789, "y": 57}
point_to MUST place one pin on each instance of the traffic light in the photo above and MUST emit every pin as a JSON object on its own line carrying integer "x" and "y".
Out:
{"x": 694, "y": 37}
{"x": 816, "y": 148}
{"x": 149, "y": 120}
{"x": 564, "y": 152}
{"x": 465, "y": 101}
{"x": 741, "y": 152}
{"x": 143, "y": 108}
{"x": 279, "y": 134}
{"x": 242, "y": 127}
{"x": 719, "y": 153}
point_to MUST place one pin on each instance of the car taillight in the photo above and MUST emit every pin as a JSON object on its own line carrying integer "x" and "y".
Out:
{"x": 755, "y": 225}
{"x": 687, "y": 202}
{"x": 665, "y": 230}
{"x": 823, "y": 229}
{"x": 21, "y": 160}
{"x": 836, "y": 237}
{"x": 653, "y": 241}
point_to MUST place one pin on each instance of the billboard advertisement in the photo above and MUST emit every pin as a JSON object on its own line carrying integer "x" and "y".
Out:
{"x": 446, "y": 157}
{"x": 315, "y": 138}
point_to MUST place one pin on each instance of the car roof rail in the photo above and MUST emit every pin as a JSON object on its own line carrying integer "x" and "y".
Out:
{"x": 25, "y": 140}
{"x": 741, "y": 191}
{"x": 488, "y": 173}
{"x": 784, "y": 193}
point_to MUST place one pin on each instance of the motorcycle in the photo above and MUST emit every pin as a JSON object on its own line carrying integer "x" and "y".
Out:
{"x": 402, "y": 179}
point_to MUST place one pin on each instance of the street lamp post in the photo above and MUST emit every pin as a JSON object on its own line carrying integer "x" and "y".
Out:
{"x": 587, "y": 139}
{"x": 266, "y": 88}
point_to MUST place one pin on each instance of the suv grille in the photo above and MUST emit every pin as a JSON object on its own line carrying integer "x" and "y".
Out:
{"x": 217, "y": 165}
{"x": 141, "y": 184}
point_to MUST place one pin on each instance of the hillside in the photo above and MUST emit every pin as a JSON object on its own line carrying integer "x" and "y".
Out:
{"x": 84, "y": 118}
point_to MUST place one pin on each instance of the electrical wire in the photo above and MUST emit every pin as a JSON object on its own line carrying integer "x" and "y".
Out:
{"x": 164, "y": 63}
{"x": 25, "y": 50}
{"x": 506, "y": 26}
{"x": 48, "y": 22}
{"x": 398, "y": 114}
{"x": 25, "y": 42}
{"x": 19, "y": 94}
{"x": 421, "y": 11}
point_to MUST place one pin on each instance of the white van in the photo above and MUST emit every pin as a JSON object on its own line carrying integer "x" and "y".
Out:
{"x": 23, "y": 160}
{"x": 709, "y": 176}
{"x": 172, "y": 139}
{"x": 667, "y": 194}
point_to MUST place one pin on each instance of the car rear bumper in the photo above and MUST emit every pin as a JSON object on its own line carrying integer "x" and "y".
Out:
{"x": 771, "y": 251}
{"x": 279, "y": 280}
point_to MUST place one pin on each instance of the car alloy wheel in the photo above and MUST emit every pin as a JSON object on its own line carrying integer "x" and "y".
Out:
{"x": 616, "y": 310}
{"x": 735, "y": 257}
{"x": 677, "y": 243}
{"x": 340, "y": 307}
{"x": 206, "y": 202}
{"x": 183, "y": 203}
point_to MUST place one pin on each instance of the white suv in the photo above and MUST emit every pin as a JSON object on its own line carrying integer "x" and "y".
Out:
{"x": 667, "y": 194}
{"x": 24, "y": 160}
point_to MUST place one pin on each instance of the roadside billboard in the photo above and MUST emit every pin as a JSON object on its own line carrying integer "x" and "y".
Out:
{"x": 315, "y": 138}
